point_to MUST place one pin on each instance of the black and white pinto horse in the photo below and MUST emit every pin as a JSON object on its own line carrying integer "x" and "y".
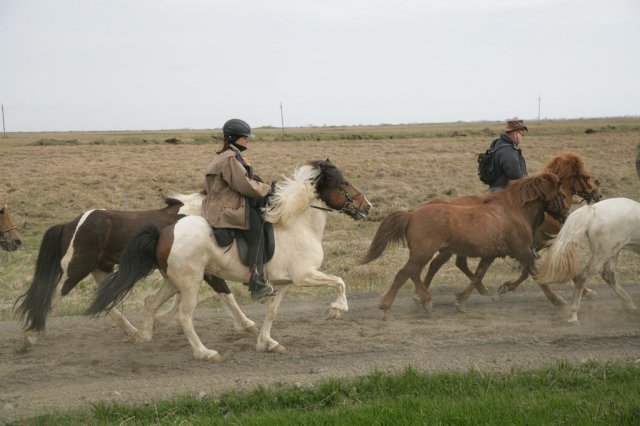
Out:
{"x": 610, "y": 226}
{"x": 89, "y": 244}
{"x": 9, "y": 237}
{"x": 185, "y": 251}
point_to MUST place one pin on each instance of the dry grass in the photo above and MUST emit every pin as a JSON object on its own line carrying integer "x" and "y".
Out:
{"x": 50, "y": 178}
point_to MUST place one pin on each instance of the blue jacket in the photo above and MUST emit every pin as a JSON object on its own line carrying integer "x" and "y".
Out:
{"x": 509, "y": 161}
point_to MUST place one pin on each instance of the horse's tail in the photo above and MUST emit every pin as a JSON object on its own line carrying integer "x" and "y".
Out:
{"x": 392, "y": 230}
{"x": 558, "y": 263}
{"x": 138, "y": 260}
{"x": 36, "y": 302}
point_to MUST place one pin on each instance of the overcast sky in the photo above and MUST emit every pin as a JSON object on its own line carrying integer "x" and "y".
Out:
{"x": 169, "y": 64}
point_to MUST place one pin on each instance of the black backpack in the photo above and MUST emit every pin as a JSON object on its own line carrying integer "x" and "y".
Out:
{"x": 487, "y": 170}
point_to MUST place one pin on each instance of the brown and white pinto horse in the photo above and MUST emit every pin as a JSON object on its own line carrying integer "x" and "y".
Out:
{"x": 89, "y": 244}
{"x": 9, "y": 237}
{"x": 187, "y": 250}
{"x": 502, "y": 225}
{"x": 574, "y": 181}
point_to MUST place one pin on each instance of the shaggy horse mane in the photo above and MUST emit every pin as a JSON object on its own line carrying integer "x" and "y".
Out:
{"x": 294, "y": 194}
{"x": 532, "y": 188}
{"x": 566, "y": 165}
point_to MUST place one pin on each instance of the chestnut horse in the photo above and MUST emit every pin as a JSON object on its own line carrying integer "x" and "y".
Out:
{"x": 502, "y": 225}
{"x": 574, "y": 181}
{"x": 610, "y": 226}
{"x": 9, "y": 237}
{"x": 186, "y": 250}
{"x": 89, "y": 244}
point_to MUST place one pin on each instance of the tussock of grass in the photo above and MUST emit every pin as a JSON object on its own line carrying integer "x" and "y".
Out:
{"x": 591, "y": 393}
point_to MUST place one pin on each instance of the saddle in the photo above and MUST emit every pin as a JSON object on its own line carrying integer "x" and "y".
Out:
{"x": 225, "y": 237}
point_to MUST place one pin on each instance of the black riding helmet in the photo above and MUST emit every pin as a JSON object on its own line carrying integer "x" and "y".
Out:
{"x": 236, "y": 128}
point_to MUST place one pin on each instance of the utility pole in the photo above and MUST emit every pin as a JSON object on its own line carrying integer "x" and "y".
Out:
{"x": 282, "y": 118}
{"x": 4, "y": 133}
{"x": 539, "y": 100}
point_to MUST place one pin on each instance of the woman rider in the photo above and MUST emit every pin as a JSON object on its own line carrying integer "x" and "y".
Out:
{"x": 233, "y": 197}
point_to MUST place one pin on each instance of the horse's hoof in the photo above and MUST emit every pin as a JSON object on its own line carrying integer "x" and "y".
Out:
{"x": 559, "y": 302}
{"x": 216, "y": 357}
{"x": 252, "y": 329}
{"x": 332, "y": 313}
{"x": 503, "y": 289}
{"x": 591, "y": 294}
{"x": 26, "y": 347}
{"x": 461, "y": 308}
{"x": 138, "y": 338}
{"x": 277, "y": 349}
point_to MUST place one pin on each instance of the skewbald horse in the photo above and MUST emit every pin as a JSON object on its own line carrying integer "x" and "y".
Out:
{"x": 574, "y": 181}
{"x": 187, "y": 250}
{"x": 10, "y": 239}
{"x": 89, "y": 244}
{"x": 502, "y": 225}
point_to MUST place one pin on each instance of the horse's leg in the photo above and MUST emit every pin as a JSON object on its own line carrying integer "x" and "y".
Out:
{"x": 265, "y": 342}
{"x": 70, "y": 277}
{"x": 481, "y": 270}
{"x": 414, "y": 265}
{"x": 593, "y": 266}
{"x": 124, "y": 324}
{"x": 315, "y": 278}
{"x": 151, "y": 305}
{"x": 188, "y": 303}
{"x": 609, "y": 275}
{"x": 461, "y": 263}
{"x": 163, "y": 318}
{"x": 441, "y": 258}
{"x": 241, "y": 322}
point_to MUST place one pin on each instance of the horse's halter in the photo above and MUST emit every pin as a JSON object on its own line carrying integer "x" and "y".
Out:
{"x": 558, "y": 212}
{"x": 349, "y": 207}
{"x": 586, "y": 196}
{"x": 4, "y": 231}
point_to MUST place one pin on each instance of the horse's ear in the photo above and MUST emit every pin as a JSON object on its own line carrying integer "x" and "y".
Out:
{"x": 328, "y": 161}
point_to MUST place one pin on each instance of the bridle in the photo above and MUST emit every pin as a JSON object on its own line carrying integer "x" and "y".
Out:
{"x": 558, "y": 213}
{"x": 349, "y": 207}
{"x": 4, "y": 231}
{"x": 586, "y": 196}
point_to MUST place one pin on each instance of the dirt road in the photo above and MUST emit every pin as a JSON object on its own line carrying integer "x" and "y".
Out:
{"x": 84, "y": 360}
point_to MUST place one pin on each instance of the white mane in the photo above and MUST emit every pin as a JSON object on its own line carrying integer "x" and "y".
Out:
{"x": 293, "y": 195}
{"x": 192, "y": 203}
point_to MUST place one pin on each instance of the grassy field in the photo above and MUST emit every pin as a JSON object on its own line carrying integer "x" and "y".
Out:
{"x": 50, "y": 178}
{"x": 563, "y": 394}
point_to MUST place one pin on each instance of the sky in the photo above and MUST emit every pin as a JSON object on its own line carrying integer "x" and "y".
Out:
{"x": 192, "y": 64}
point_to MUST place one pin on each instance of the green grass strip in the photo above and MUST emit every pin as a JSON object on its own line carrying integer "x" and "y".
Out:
{"x": 589, "y": 394}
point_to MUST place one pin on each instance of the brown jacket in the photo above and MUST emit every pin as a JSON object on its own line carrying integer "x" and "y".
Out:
{"x": 227, "y": 184}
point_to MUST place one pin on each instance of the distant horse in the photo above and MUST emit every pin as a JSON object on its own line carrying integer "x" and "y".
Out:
{"x": 9, "y": 237}
{"x": 186, "y": 250}
{"x": 500, "y": 226}
{"x": 574, "y": 181}
{"x": 89, "y": 244}
{"x": 609, "y": 226}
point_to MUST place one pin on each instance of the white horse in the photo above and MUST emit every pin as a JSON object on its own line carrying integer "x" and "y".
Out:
{"x": 187, "y": 250}
{"x": 610, "y": 226}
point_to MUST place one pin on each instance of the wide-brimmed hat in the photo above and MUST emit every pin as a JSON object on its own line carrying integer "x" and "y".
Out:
{"x": 513, "y": 125}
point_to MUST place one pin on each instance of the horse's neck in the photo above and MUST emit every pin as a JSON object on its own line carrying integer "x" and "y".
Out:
{"x": 533, "y": 210}
{"x": 310, "y": 220}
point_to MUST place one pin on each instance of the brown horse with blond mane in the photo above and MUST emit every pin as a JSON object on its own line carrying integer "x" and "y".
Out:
{"x": 574, "y": 181}
{"x": 501, "y": 225}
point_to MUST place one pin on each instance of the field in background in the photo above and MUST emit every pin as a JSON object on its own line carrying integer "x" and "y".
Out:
{"x": 50, "y": 178}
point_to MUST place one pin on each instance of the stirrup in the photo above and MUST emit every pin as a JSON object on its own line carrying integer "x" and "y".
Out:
{"x": 265, "y": 290}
